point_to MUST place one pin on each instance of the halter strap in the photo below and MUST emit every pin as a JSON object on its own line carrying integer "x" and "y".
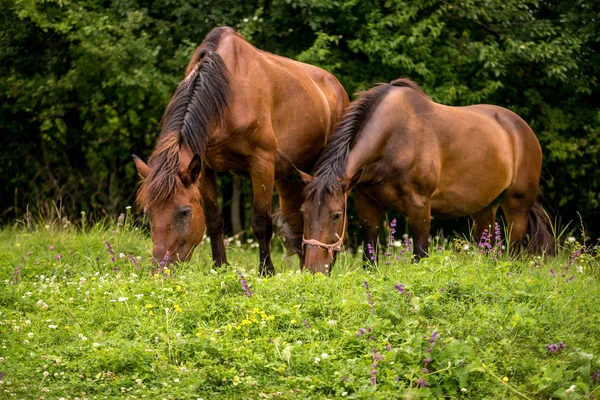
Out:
{"x": 337, "y": 246}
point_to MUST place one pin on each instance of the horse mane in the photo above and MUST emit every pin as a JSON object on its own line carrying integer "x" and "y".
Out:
{"x": 330, "y": 168}
{"x": 199, "y": 102}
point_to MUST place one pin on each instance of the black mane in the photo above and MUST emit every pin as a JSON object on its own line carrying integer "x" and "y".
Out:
{"x": 330, "y": 169}
{"x": 199, "y": 102}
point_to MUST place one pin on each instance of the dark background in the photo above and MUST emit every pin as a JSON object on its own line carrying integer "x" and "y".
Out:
{"x": 83, "y": 84}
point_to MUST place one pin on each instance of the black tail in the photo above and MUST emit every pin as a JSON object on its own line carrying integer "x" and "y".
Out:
{"x": 540, "y": 237}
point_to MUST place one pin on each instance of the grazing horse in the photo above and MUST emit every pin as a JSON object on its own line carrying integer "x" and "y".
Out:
{"x": 242, "y": 110}
{"x": 402, "y": 151}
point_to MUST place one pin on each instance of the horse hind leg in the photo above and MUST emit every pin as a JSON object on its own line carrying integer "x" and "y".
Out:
{"x": 517, "y": 205}
{"x": 484, "y": 219}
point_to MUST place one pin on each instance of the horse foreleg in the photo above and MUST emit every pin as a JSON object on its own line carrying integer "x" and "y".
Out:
{"x": 290, "y": 200}
{"x": 369, "y": 216}
{"x": 419, "y": 221}
{"x": 212, "y": 213}
{"x": 262, "y": 173}
{"x": 485, "y": 219}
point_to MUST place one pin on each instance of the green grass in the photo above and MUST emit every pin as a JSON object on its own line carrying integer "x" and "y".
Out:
{"x": 74, "y": 327}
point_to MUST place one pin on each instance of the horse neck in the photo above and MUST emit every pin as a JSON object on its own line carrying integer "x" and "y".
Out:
{"x": 367, "y": 145}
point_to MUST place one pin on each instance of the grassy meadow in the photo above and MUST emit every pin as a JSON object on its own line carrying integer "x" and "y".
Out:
{"x": 81, "y": 320}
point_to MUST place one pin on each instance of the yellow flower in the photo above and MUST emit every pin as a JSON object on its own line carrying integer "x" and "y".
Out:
{"x": 177, "y": 308}
{"x": 255, "y": 310}
{"x": 156, "y": 275}
{"x": 167, "y": 271}
{"x": 264, "y": 316}
{"x": 198, "y": 334}
{"x": 150, "y": 312}
{"x": 178, "y": 287}
{"x": 246, "y": 322}
{"x": 18, "y": 244}
{"x": 293, "y": 321}
{"x": 237, "y": 327}
{"x": 149, "y": 306}
{"x": 505, "y": 379}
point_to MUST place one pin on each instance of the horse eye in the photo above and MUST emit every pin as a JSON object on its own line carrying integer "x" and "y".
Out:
{"x": 184, "y": 214}
{"x": 337, "y": 216}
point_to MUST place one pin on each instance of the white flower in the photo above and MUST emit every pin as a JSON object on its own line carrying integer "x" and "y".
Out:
{"x": 46, "y": 373}
{"x": 28, "y": 322}
{"x": 139, "y": 296}
{"x": 30, "y": 335}
{"x": 344, "y": 394}
{"x": 324, "y": 355}
{"x": 332, "y": 322}
{"x": 176, "y": 380}
{"x": 317, "y": 360}
{"x": 138, "y": 381}
{"x": 571, "y": 389}
{"x": 121, "y": 255}
{"x": 464, "y": 390}
{"x": 41, "y": 304}
{"x": 52, "y": 326}
{"x": 83, "y": 338}
{"x": 122, "y": 299}
{"x": 1, "y": 359}
{"x": 96, "y": 344}
{"x": 571, "y": 239}
{"x": 25, "y": 341}
{"x": 299, "y": 342}
{"x": 128, "y": 208}
{"x": 466, "y": 247}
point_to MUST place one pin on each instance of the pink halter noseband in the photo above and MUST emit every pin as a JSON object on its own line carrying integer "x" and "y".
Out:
{"x": 337, "y": 246}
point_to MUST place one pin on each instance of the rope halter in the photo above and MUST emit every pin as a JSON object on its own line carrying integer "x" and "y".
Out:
{"x": 337, "y": 246}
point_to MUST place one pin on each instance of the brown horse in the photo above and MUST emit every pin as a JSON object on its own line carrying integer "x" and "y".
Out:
{"x": 242, "y": 110}
{"x": 402, "y": 151}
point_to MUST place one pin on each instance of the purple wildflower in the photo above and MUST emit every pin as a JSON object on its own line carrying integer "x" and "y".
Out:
{"x": 571, "y": 278}
{"x": 400, "y": 287}
{"x": 51, "y": 247}
{"x": 245, "y": 286}
{"x": 555, "y": 348}
{"x": 58, "y": 256}
{"x": 552, "y": 272}
{"x": 344, "y": 378}
{"x": 361, "y": 332}
{"x": 369, "y": 298}
{"x": 110, "y": 250}
{"x": 422, "y": 382}
{"x": 427, "y": 361}
{"x": 133, "y": 261}
{"x": 498, "y": 240}
{"x": 371, "y": 252}
{"x": 388, "y": 347}
{"x": 17, "y": 272}
{"x": 425, "y": 370}
{"x": 433, "y": 338}
{"x": 596, "y": 376}
{"x": 306, "y": 325}
{"x": 429, "y": 350}
{"x": 373, "y": 377}
{"x": 120, "y": 220}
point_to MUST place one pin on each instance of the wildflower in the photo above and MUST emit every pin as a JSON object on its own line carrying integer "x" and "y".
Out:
{"x": 571, "y": 389}
{"x": 51, "y": 247}
{"x": 245, "y": 286}
{"x": 58, "y": 256}
{"x": 369, "y": 299}
{"x": 52, "y": 326}
{"x": 425, "y": 370}
{"x": 596, "y": 376}
{"x": 133, "y": 261}
{"x": 361, "y": 332}
{"x": 96, "y": 344}
{"x": 30, "y": 335}
{"x": 373, "y": 377}
{"x": 324, "y": 355}
{"x": 422, "y": 382}
{"x": 120, "y": 220}
{"x": 433, "y": 338}
{"x": 110, "y": 250}
{"x": 344, "y": 378}
{"x": 371, "y": 251}
{"x": 427, "y": 361}
{"x": 122, "y": 299}
{"x": 400, "y": 287}
{"x": 317, "y": 360}
{"x": 306, "y": 325}
{"x": 505, "y": 379}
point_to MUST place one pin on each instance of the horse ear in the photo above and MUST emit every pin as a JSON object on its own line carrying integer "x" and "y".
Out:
{"x": 142, "y": 169}
{"x": 192, "y": 172}
{"x": 304, "y": 177}
{"x": 349, "y": 182}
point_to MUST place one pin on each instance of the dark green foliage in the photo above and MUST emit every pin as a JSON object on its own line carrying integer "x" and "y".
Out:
{"x": 84, "y": 83}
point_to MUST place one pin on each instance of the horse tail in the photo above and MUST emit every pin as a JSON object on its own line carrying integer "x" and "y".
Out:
{"x": 538, "y": 230}
{"x": 200, "y": 100}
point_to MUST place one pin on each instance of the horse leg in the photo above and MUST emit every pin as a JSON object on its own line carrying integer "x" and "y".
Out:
{"x": 262, "y": 173}
{"x": 418, "y": 211}
{"x": 290, "y": 200}
{"x": 369, "y": 216}
{"x": 516, "y": 206}
{"x": 484, "y": 219}
{"x": 212, "y": 213}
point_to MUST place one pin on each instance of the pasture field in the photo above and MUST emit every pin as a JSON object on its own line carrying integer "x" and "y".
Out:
{"x": 76, "y": 323}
